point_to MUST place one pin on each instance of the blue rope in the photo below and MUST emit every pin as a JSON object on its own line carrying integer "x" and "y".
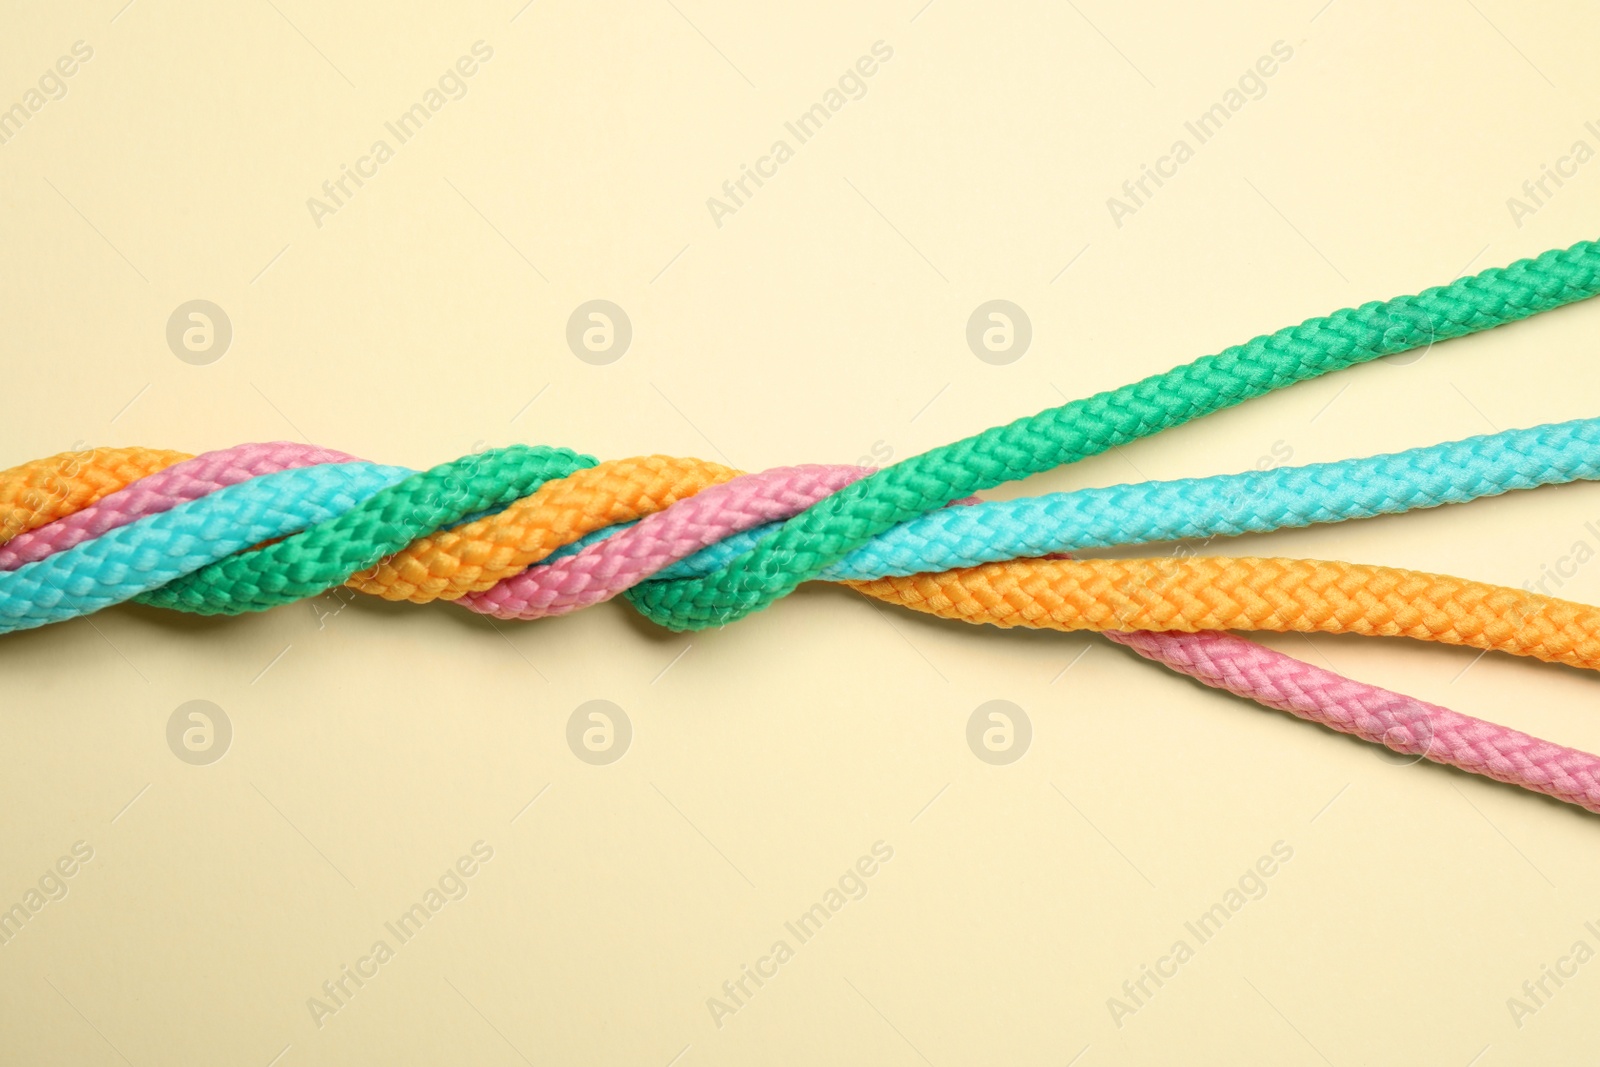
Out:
{"x": 1203, "y": 508}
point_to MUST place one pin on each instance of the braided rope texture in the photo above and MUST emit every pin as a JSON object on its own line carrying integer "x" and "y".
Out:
{"x": 45, "y": 490}
{"x": 1082, "y": 428}
{"x": 128, "y": 560}
{"x": 1247, "y": 593}
{"x": 487, "y": 561}
{"x": 157, "y": 489}
{"x": 1404, "y": 724}
{"x": 1206, "y": 508}
{"x": 623, "y": 558}
{"x": 525, "y": 531}
{"x": 355, "y": 544}
{"x": 819, "y": 536}
{"x": 727, "y": 516}
{"x": 1268, "y": 677}
{"x": 474, "y": 557}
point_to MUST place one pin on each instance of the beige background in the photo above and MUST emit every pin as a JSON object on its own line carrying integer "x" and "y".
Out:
{"x": 822, "y": 321}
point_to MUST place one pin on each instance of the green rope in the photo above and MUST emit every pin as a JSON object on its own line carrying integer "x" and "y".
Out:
{"x": 842, "y": 522}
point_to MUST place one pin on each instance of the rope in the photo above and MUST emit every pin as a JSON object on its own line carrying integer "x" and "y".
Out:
{"x": 479, "y": 554}
{"x": 158, "y": 489}
{"x": 82, "y": 530}
{"x": 272, "y": 503}
{"x": 1404, "y": 724}
{"x": 1221, "y": 593}
{"x": 618, "y": 559}
{"x": 357, "y": 541}
{"x": 45, "y": 490}
{"x": 487, "y": 562}
{"x": 1204, "y": 508}
{"x": 819, "y": 536}
{"x": 823, "y": 534}
{"x": 143, "y": 555}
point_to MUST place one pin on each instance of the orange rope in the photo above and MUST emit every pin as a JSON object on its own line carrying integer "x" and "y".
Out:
{"x": 44, "y": 490}
{"x": 1223, "y": 593}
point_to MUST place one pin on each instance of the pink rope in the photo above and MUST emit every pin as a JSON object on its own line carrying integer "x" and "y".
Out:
{"x": 165, "y": 489}
{"x": 1404, "y": 724}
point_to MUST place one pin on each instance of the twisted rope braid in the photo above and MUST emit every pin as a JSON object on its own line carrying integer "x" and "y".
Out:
{"x": 1204, "y": 508}
{"x": 143, "y": 555}
{"x": 474, "y": 557}
{"x": 415, "y": 560}
{"x": 515, "y": 564}
{"x": 721, "y": 525}
{"x": 1270, "y": 678}
{"x": 820, "y": 535}
{"x": 45, "y": 490}
{"x": 524, "y": 531}
{"x": 847, "y": 519}
{"x": 622, "y": 558}
{"x": 358, "y": 540}
{"x": 156, "y": 490}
